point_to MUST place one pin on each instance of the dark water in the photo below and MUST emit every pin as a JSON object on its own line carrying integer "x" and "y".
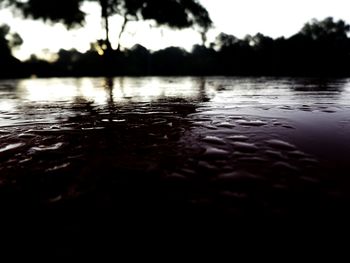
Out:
{"x": 185, "y": 148}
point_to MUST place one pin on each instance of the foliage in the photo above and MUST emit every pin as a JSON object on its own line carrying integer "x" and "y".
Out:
{"x": 8, "y": 40}
{"x": 325, "y": 29}
{"x": 9, "y": 66}
{"x": 172, "y": 13}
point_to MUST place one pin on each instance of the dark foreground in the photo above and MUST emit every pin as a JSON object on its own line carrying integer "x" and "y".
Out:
{"x": 176, "y": 171}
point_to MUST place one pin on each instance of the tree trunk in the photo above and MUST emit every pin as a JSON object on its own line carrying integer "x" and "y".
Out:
{"x": 108, "y": 42}
{"x": 105, "y": 17}
{"x": 203, "y": 38}
{"x": 107, "y": 47}
{"x": 122, "y": 30}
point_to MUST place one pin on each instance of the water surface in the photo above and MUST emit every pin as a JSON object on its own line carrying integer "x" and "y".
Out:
{"x": 236, "y": 146}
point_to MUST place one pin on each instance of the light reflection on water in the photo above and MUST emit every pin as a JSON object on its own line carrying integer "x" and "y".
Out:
{"x": 230, "y": 91}
{"x": 287, "y": 132}
{"x": 98, "y": 90}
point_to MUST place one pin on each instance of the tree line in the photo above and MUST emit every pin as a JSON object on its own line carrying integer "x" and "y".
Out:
{"x": 320, "y": 48}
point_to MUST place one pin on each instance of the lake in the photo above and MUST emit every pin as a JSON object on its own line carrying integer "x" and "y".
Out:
{"x": 175, "y": 146}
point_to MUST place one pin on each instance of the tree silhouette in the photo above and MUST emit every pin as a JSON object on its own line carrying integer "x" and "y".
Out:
{"x": 65, "y": 11}
{"x": 172, "y": 13}
{"x": 224, "y": 40}
{"x": 325, "y": 29}
{"x": 8, "y": 42}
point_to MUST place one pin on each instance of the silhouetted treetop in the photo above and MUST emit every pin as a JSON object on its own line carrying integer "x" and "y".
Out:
{"x": 260, "y": 41}
{"x": 172, "y": 13}
{"x": 9, "y": 66}
{"x": 176, "y": 13}
{"x": 225, "y": 40}
{"x": 327, "y": 28}
{"x": 8, "y": 41}
{"x": 65, "y": 11}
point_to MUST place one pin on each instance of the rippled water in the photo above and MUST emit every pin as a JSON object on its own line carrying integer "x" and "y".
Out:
{"x": 236, "y": 145}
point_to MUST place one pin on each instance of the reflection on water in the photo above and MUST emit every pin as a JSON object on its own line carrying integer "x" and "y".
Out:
{"x": 123, "y": 89}
{"x": 239, "y": 145}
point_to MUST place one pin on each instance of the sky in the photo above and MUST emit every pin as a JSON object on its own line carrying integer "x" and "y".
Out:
{"x": 274, "y": 18}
